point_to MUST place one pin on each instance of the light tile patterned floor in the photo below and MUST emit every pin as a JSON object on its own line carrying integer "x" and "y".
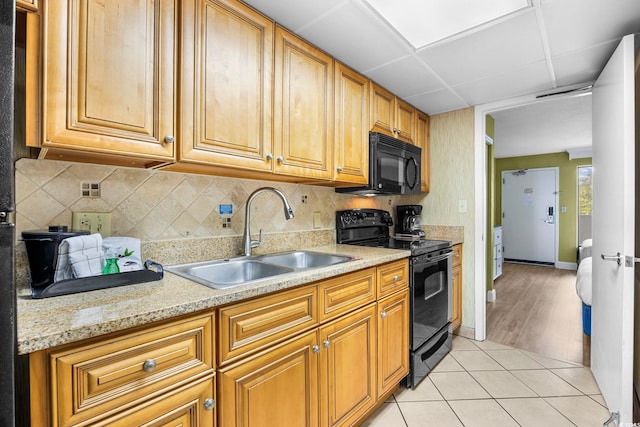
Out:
{"x": 482, "y": 384}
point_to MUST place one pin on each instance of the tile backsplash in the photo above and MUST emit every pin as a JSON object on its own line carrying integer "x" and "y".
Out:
{"x": 175, "y": 214}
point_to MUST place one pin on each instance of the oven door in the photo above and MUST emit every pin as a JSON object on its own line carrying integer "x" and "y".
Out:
{"x": 431, "y": 296}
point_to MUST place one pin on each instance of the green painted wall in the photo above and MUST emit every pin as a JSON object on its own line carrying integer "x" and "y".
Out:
{"x": 489, "y": 131}
{"x": 568, "y": 169}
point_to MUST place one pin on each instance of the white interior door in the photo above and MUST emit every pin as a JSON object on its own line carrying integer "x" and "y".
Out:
{"x": 529, "y": 215}
{"x": 613, "y": 229}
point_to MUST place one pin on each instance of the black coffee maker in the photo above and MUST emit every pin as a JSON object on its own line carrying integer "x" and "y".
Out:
{"x": 42, "y": 251}
{"x": 408, "y": 222}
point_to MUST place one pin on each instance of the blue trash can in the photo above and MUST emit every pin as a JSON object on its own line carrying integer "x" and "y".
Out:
{"x": 586, "y": 319}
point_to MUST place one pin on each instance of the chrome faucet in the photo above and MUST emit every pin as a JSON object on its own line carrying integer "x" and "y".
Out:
{"x": 247, "y": 243}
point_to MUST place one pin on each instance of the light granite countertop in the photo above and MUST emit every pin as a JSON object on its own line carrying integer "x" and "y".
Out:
{"x": 49, "y": 322}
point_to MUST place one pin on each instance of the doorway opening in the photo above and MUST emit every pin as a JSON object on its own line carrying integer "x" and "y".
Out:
{"x": 585, "y": 193}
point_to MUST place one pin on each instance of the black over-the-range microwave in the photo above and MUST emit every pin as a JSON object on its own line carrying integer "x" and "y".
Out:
{"x": 394, "y": 167}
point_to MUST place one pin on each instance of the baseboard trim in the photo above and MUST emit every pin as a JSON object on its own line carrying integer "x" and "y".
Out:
{"x": 566, "y": 265}
{"x": 491, "y": 295}
{"x": 466, "y": 332}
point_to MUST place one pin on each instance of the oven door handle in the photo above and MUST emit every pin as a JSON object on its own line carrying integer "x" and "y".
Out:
{"x": 442, "y": 257}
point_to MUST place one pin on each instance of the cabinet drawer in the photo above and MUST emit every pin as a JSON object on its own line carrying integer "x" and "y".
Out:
{"x": 498, "y": 251}
{"x": 184, "y": 407}
{"x": 251, "y": 325}
{"x": 497, "y": 236}
{"x": 102, "y": 377}
{"x": 456, "y": 257}
{"x": 392, "y": 277}
{"x": 345, "y": 293}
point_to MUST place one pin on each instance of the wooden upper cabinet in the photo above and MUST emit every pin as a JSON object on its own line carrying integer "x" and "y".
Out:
{"x": 422, "y": 141}
{"x": 383, "y": 110}
{"x": 303, "y": 114}
{"x": 110, "y": 77}
{"x": 351, "y": 126}
{"x": 392, "y": 116}
{"x": 226, "y": 82}
{"x": 405, "y": 121}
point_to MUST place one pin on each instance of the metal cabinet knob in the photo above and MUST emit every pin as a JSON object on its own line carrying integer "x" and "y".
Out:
{"x": 149, "y": 365}
{"x": 169, "y": 139}
{"x": 383, "y": 314}
{"x": 280, "y": 159}
{"x": 395, "y": 278}
{"x": 269, "y": 156}
{"x": 326, "y": 343}
{"x": 396, "y": 130}
{"x": 209, "y": 404}
{"x": 339, "y": 168}
{"x": 315, "y": 349}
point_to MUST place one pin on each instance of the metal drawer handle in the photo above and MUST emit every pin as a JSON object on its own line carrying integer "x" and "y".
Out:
{"x": 209, "y": 404}
{"x": 395, "y": 278}
{"x": 383, "y": 314}
{"x": 339, "y": 168}
{"x": 149, "y": 365}
{"x": 169, "y": 139}
{"x": 617, "y": 258}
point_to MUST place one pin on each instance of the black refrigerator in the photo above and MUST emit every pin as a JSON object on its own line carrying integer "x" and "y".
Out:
{"x": 7, "y": 207}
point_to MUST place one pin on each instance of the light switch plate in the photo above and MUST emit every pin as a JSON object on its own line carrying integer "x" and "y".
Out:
{"x": 94, "y": 222}
{"x": 462, "y": 206}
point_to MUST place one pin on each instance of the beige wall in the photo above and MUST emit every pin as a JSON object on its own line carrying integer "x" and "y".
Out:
{"x": 451, "y": 137}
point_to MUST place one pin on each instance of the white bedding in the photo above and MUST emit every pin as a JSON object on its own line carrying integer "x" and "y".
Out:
{"x": 583, "y": 280}
{"x": 585, "y": 249}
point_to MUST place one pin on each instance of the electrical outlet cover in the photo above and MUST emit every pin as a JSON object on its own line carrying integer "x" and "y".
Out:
{"x": 94, "y": 222}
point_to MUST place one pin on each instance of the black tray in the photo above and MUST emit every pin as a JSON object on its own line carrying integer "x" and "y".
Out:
{"x": 152, "y": 272}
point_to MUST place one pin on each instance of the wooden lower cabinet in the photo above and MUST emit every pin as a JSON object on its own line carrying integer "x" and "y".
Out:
{"x": 321, "y": 355}
{"x": 348, "y": 368}
{"x": 456, "y": 285}
{"x": 277, "y": 387}
{"x": 393, "y": 341}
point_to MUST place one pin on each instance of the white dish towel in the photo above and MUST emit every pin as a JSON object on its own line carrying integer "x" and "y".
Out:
{"x": 79, "y": 256}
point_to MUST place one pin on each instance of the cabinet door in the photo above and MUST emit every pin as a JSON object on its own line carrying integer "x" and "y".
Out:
{"x": 351, "y": 126}
{"x": 227, "y": 73}
{"x": 278, "y": 387}
{"x": 383, "y": 110}
{"x": 347, "y": 367}
{"x": 456, "y": 296}
{"x": 405, "y": 122}
{"x": 393, "y": 341}
{"x": 110, "y": 73}
{"x": 303, "y": 115}
{"x": 191, "y": 406}
{"x": 422, "y": 140}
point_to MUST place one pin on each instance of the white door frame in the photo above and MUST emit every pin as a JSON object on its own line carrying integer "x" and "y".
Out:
{"x": 480, "y": 191}
{"x": 556, "y": 201}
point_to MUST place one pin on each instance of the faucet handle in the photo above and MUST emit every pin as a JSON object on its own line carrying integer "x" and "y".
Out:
{"x": 256, "y": 243}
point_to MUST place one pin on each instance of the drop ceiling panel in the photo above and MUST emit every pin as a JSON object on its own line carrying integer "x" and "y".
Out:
{"x": 582, "y": 66}
{"x": 507, "y": 45}
{"x": 436, "y": 102}
{"x": 357, "y": 37}
{"x": 576, "y": 24}
{"x": 530, "y": 79}
{"x": 406, "y": 77}
{"x": 548, "y": 127}
{"x": 294, "y": 14}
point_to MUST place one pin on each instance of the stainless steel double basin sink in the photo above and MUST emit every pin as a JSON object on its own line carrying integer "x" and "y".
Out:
{"x": 226, "y": 273}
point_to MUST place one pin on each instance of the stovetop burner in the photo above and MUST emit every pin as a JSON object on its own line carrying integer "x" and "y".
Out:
{"x": 370, "y": 227}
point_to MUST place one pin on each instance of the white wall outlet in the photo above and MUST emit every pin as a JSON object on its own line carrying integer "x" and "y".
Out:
{"x": 317, "y": 219}
{"x": 462, "y": 206}
{"x": 94, "y": 222}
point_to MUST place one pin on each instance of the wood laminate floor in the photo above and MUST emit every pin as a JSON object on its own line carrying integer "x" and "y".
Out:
{"x": 537, "y": 309}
